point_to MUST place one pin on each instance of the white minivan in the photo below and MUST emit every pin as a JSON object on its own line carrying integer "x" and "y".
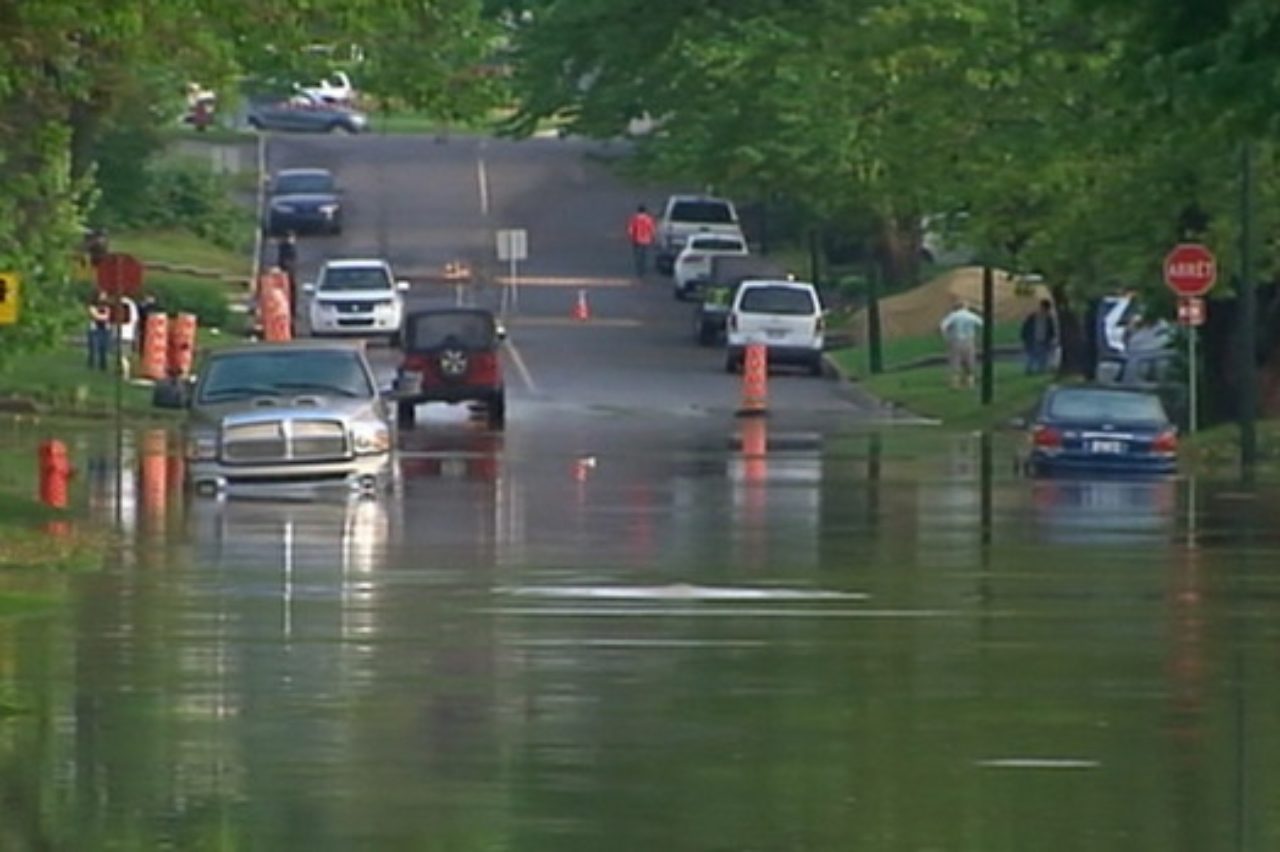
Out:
{"x": 786, "y": 316}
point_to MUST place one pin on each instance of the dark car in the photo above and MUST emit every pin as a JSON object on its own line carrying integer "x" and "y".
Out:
{"x": 451, "y": 355}
{"x": 304, "y": 113}
{"x": 304, "y": 201}
{"x": 1099, "y": 429}
{"x": 718, "y": 289}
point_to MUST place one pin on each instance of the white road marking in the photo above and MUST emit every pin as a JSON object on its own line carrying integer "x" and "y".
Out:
{"x": 565, "y": 281}
{"x": 521, "y": 367}
{"x": 482, "y": 179}
{"x": 1038, "y": 763}
{"x": 680, "y": 591}
{"x": 717, "y": 612}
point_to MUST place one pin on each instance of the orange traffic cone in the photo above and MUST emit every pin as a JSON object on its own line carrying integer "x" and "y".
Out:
{"x": 755, "y": 381}
{"x": 581, "y": 311}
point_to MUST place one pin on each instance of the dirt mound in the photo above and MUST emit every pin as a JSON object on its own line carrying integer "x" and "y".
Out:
{"x": 918, "y": 311}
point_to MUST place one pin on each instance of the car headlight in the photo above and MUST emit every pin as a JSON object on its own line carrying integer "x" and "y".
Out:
{"x": 370, "y": 438}
{"x": 329, "y": 209}
{"x": 202, "y": 447}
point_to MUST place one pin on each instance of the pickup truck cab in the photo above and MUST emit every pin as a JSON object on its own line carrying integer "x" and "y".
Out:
{"x": 686, "y": 215}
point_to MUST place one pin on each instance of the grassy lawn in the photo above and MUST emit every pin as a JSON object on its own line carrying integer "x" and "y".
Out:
{"x": 927, "y": 391}
{"x": 1217, "y": 449}
{"x": 907, "y": 350}
{"x": 180, "y": 247}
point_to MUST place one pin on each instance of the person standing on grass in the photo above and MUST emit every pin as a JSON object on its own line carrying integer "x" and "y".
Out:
{"x": 641, "y": 230}
{"x": 1039, "y": 337}
{"x": 960, "y": 330}
{"x": 98, "y": 334}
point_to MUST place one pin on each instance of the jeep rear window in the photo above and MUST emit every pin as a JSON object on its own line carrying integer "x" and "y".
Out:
{"x": 365, "y": 278}
{"x": 470, "y": 330}
{"x": 777, "y": 300}
{"x": 711, "y": 212}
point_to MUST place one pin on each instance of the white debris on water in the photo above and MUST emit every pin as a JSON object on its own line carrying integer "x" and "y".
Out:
{"x": 678, "y": 592}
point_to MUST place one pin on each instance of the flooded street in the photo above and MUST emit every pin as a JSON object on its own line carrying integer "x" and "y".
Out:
{"x": 657, "y": 633}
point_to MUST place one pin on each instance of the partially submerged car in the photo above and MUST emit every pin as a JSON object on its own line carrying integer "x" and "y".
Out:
{"x": 451, "y": 355}
{"x": 272, "y": 416}
{"x": 1101, "y": 429}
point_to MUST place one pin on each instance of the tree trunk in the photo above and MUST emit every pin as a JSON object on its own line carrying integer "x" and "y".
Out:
{"x": 1070, "y": 335}
{"x": 899, "y": 252}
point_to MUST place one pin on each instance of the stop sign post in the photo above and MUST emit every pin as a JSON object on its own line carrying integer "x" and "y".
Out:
{"x": 1190, "y": 271}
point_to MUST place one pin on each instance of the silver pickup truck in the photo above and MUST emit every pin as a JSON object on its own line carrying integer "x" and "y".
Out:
{"x": 685, "y": 215}
{"x": 279, "y": 416}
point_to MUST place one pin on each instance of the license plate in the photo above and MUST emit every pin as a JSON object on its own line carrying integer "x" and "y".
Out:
{"x": 1106, "y": 447}
{"x": 775, "y": 333}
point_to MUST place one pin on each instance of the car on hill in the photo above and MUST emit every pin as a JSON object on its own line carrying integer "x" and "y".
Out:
{"x": 357, "y": 296}
{"x": 451, "y": 355}
{"x": 1101, "y": 429}
{"x": 303, "y": 201}
{"x": 306, "y": 113}
{"x": 273, "y": 416}
{"x": 686, "y": 215}
{"x": 693, "y": 264}
{"x": 786, "y": 317}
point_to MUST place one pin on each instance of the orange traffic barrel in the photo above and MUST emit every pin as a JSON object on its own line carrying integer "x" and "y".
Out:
{"x": 182, "y": 345}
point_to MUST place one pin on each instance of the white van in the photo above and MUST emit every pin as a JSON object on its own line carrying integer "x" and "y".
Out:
{"x": 786, "y": 316}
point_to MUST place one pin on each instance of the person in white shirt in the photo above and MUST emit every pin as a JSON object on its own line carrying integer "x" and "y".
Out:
{"x": 960, "y": 330}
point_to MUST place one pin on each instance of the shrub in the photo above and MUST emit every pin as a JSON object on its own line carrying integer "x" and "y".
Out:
{"x": 206, "y": 299}
{"x": 187, "y": 196}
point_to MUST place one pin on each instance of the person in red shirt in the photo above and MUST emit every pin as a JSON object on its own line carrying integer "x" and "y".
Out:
{"x": 641, "y": 230}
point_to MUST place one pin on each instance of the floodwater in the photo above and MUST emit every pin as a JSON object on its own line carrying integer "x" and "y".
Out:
{"x": 659, "y": 639}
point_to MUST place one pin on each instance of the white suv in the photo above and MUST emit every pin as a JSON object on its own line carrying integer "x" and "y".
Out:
{"x": 693, "y": 264}
{"x": 785, "y": 316}
{"x": 356, "y": 297}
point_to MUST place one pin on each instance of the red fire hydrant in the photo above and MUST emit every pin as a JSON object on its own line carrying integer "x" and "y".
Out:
{"x": 55, "y": 471}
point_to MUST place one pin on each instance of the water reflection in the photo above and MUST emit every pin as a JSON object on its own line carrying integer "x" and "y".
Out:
{"x": 1105, "y": 511}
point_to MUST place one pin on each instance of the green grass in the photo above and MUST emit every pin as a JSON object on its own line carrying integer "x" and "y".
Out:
{"x": 927, "y": 391}
{"x": 61, "y": 382}
{"x": 1216, "y": 450}
{"x": 903, "y": 351}
{"x": 181, "y": 247}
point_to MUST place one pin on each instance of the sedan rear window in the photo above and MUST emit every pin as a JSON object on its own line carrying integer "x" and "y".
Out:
{"x": 365, "y": 278}
{"x": 1103, "y": 406}
{"x": 777, "y": 300}
{"x": 711, "y": 212}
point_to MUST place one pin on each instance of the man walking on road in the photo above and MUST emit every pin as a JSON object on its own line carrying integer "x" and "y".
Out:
{"x": 1039, "y": 337}
{"x": 641, "y": 230}
{"x": 960, "y": 329}
{"x": 287, "y": 260}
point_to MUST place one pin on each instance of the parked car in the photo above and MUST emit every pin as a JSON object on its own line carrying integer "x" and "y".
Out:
{"x": 306, "y": 113}
{"x": 304, "y": 200}
{"x": 273, "y": 416}
{"x": 786, "y": 316}
{"x": 1101, "y": 428}
{"x": 693, "y": 264}
{"x": 356, "y": 297}
{"x": 717, "y": 291}
{"x": 686, "y": 215}
{"x": 451, "y": 355}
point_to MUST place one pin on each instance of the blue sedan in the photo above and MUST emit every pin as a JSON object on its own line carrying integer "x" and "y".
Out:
{"x": 1102, "y": 429}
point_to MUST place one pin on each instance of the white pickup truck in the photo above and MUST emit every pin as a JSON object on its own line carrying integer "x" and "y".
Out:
{"x": 685, "y": 215}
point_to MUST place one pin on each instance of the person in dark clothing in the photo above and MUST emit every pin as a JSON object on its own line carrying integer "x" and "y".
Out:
{"x": 287, "y": 260}
{"x": 148, "y": 306}
{"x": 1039, "y": 337}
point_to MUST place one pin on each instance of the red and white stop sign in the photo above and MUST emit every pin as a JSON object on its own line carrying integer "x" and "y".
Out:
{"x": 1190, "y": 269}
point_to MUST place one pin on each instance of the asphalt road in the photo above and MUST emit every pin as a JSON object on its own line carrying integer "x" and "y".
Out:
{"x": 421, "y": 203}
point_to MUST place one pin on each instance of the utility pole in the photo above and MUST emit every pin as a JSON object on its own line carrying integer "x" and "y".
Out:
{"x": 1247, "y": 325}
{"x": 988, "y": 332}
{"x": 874, "y": 348}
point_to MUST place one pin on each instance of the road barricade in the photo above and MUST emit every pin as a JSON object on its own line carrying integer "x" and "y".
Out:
{"x": 277, "y": 325}
{"x": 182, "y": 345}
{"x": 155, "y": 346}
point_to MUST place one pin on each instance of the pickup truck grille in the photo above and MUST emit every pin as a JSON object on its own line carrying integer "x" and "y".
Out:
{"x": 284, "y": 441}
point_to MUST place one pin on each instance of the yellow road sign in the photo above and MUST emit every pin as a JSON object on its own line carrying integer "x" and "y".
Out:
{"x": 10, "y": 297}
